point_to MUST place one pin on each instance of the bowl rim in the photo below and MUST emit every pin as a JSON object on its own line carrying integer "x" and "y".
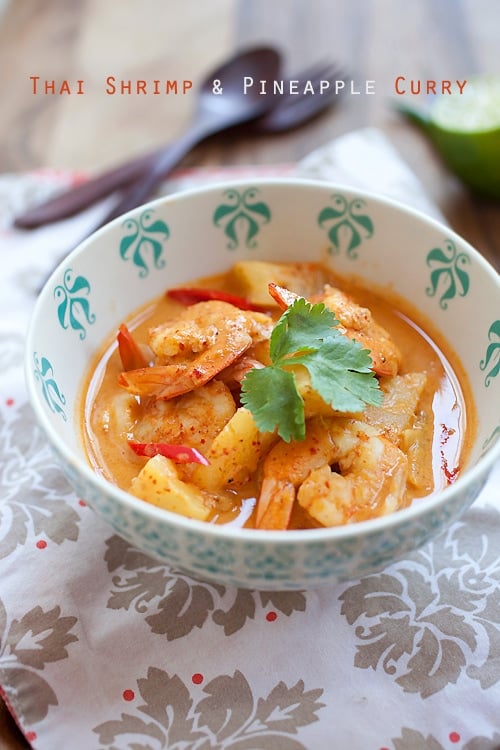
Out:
{"x": 478, "y": 473}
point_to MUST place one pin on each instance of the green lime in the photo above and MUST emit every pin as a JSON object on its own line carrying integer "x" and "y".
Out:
{"x": 465, "y": 129}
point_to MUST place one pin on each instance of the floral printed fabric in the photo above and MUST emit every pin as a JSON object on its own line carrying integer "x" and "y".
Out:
{"x": 103, "y": 648}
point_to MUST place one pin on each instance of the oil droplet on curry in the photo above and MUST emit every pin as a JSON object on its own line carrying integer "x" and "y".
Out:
{"x": 165, "y": 417}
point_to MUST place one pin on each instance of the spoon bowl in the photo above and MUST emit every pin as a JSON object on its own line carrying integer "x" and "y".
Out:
{"x": 222, "y": 93}
{"x": 214, "y": 113}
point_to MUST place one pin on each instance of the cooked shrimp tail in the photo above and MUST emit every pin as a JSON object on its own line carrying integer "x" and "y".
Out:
{"x": 169, "y": 381}
{"x": 284, "y": 297}
{"x": 132, "y": 355}
{"x": 285, "y": 468}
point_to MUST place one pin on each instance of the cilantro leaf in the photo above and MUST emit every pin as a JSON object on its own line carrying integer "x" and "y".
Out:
{"x": 341, "y": 373}
{"x": 271, "y": 395}
{"x": 301, "y": 327}
{"x": 339, "y": 367}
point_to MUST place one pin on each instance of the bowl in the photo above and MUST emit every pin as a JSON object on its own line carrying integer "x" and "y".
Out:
{"x": 177, "y": 238}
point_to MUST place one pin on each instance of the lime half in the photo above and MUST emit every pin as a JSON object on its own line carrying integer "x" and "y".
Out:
{"x": 465, "y": 129}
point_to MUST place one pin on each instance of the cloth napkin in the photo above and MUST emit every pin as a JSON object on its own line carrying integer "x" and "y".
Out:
{"x": 104, "y": 648}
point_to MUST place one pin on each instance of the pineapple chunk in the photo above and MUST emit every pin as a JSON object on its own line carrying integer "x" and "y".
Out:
{"x": 158, "y": 483}
{"x": 250, "y": 279}
{"x": 234, "y": 454}
{"x": 397, "y": 412}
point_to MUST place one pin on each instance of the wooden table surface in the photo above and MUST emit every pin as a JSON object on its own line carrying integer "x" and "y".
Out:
{"x": 89, "y": 40}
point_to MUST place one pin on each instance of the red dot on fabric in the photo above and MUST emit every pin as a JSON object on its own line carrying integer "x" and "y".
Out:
{"x": 271, "y": 616}
{"x": 82, "y": 503}
{"x": 454, "y": 737}
{"x": 9, "y": 401}
{"x": 197, "y": 678}
{"x": 31, "y": 736}
{"x": 128, "y": 695}
{"x": 41, "y": 544}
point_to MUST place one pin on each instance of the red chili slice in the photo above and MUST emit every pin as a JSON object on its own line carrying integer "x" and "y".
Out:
{"x": 131, "y": 354}
{"x": 181, "y": 454}
{"x": 191, "y": 295}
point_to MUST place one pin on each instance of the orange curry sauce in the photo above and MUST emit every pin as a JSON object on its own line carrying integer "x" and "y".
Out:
{"x": 446, "y": 399}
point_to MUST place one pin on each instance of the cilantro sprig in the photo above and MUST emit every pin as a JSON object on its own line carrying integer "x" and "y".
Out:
{"x": 339, "y": 368}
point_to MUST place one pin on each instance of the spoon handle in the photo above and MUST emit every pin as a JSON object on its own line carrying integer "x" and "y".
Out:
{"x": 155, "y": 171}
{"x": 82, "y": 196}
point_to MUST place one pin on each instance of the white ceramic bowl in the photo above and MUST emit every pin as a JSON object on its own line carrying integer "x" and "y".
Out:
{"x": 178, "y": 238}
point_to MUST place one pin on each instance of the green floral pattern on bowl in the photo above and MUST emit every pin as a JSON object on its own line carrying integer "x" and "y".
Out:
{"x": 143, "y": 244}
{"x": 491, "y": 362}
{"x": 448, "y": 273}
{"x": 347, "y": 224}
{"x": 73, "y": 308}
{"x": 241, "y": 216}
{"x": 44, "y": 374}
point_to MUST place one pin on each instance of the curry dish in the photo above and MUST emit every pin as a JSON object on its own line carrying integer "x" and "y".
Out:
{"x": 213, "y": 403}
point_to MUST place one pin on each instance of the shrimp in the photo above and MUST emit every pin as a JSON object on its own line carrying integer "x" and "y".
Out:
{"x": 285, "y": 467}
{"x": 356, "y": 322}
{"x": 201, "y": 342}
{"x": 235, "y": 373}
{"x": 371, "y": 480}
{"x": 193, "y": 419}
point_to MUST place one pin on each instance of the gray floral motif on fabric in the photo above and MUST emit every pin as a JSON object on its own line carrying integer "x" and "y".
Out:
{"x": 175, "y": 604}
{"x": 229, "y": 715}
{"x": 421, "y": 622}
{"x": 29, "y": 644}
{"x": 35, "y": 493}
{"x": 411, "y": 739}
